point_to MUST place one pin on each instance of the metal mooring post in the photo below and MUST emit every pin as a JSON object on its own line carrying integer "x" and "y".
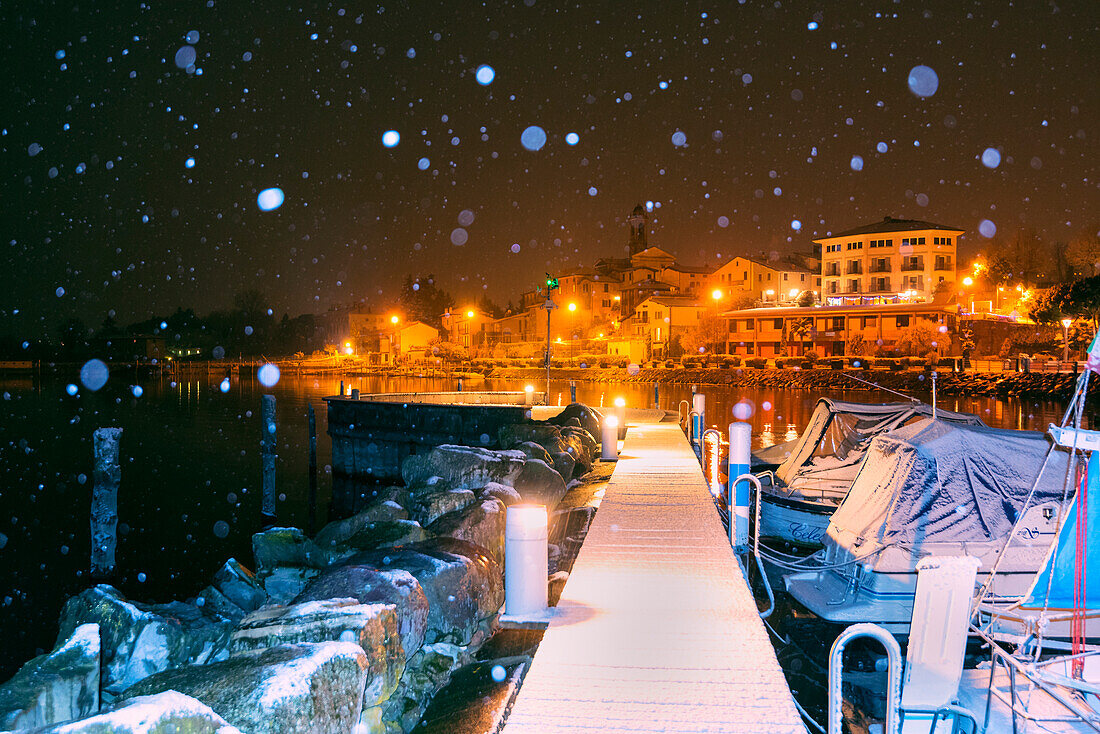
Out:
{"x": 572, "y": 391}
{"x": 106, "y": 477}
{"x": 312, "y": 470}
{"x": 740, "y": 460}
{"x": 267, "y": 457}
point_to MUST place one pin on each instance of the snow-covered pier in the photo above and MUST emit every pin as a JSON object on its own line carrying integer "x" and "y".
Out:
{"x": 656, "y": 629}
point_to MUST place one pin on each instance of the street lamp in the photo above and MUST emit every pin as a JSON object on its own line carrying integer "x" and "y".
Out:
{"x": 1065, "y": 338}
{"x": 348, "y": 348}
{"x": 572, "y": 331}
{"x": 716, "y": 294}
{"x": 769, "y": 294}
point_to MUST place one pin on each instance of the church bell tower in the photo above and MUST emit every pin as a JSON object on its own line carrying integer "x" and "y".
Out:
{"x": 637, "y": 221}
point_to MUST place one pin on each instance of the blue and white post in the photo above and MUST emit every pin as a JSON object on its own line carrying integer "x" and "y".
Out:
{"x": 572, "y": 391}
{"x": 740, "y": 460}
{"x": 656, "y": 396}
{"x": 698, "y": 421}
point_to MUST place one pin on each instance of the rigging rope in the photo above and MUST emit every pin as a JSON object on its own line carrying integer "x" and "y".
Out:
{"x": 877, "y": 386}
{"x": 1080, "y": 599}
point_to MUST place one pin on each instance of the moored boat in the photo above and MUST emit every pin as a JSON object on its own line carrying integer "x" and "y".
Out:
{"x": 800, "y": 496}
{"x": 934, "y": 488}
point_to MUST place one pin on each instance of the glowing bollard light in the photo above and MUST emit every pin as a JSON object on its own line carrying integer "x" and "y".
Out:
{"x": 525, "y": 560}
{"x": 740, "y": 459}
{"x": 712, "y": 464}
{"x": 530, "y": 395}
{"x": 620, "y": 415}
{"x": 609, "y": 439}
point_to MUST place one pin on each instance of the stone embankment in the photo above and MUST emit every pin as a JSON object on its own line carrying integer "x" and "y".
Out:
{"x": 354, "y": 629}
{"x": 911, "y": 382}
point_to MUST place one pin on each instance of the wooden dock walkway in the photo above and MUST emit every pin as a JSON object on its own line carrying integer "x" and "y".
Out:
{"x": 656, "y": 630}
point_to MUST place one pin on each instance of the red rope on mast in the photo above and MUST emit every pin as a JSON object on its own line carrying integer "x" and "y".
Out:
{"x": 1080, "y": 598}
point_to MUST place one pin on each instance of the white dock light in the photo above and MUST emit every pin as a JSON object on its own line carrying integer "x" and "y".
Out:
{"x": 525, "y": 561}
{"x": 620, "y": 414}
{"x": 530, "y": 391}
{"x": 609, "y": 439}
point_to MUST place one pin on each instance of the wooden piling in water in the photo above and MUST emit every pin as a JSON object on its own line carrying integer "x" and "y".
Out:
{"x": 312, "y": 470}
{"x": 107, "y": 475}
{"x": 267, "y": 454}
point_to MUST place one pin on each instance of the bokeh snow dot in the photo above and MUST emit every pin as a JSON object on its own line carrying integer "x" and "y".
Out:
{"x": 723, "y": 221}
{"x": 533, "y": 138}
{"x": 224, "y": 385}
{"x": 192, "y": 37}
{"x": 59, "y": 292}
{"x": 423, "y": 164}
{"x": 856, "y": 163}
{"x": 991, "y": 158}
{"x": 189, "y": 163}
{"x": 459, "y": 236}
{"x": 137, "y": 390}
{"x": 743, "y": 410}
{"x": 633, "y": 369}
{"x": 498, "y": 673}
{"x": 465, "y": 217}
{"x": 270, "y": 199}
{"x": 515, "y": 247}
{"x": 796, "y": 225}
{"x": 221, "y": 528}
{"x": 987, "y": 228}
{"x": 882, "y": 147}
{"x": 185, "y": 56}
{"x": 268, "y": 375}
{"x": 93, "y": 375}
{"x": 572, "y": 138}
{"x": 71, "y": 389}
{"x": 592, "y": 191}
{"x": 679, "y": 139}
{"x": 485, "y": 75}
{"x": 923, "y": 81}
{"x": 390, "y": 138}
{"x": 766, "y": 405}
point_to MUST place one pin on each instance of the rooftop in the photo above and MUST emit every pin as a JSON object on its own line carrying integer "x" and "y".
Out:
{"x": 889, "y": 224}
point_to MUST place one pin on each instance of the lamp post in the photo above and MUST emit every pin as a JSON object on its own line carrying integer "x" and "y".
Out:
{"x": 394, "y": 320}
{"x": 572, "y": 330}
{"x": 1065, "y": 338}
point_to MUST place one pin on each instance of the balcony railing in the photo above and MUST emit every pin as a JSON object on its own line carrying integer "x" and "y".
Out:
{"x": 944, "y": 265}
{"x": 879, "y": 268}
{"x": 879, "y": 287}
{"x": 854, "y": 269}
{"x": 908, "y": 267}
{"x": 832, "y": 270}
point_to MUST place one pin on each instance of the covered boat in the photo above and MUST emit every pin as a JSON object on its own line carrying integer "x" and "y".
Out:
{"x": 929, "y": 489}
{"x": 800, "y": 496}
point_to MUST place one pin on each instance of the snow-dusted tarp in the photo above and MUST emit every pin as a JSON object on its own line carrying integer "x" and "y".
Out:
{"x": 938, "y": 483}
{"x": 827, "y": 456}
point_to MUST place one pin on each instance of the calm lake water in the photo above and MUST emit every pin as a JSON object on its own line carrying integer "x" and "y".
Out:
{"x": 190, "y": 494}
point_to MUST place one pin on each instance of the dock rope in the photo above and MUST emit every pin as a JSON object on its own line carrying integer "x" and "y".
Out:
{"x": 877, "y": 386}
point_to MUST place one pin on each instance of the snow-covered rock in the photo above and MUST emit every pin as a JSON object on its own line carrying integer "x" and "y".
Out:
{"x": 481, "y": 523}
{"x": 289, "y": 689}
{"x": 373, "y": 627}
{"x": 370, "y": 585}
{"x": 58, "y": 686}
{"x": 165, "y": 712}
{"x": 463, "y": 467}
{"x": 427, "y": 507}
{"x": 463, "y": 584}
{"x": 427, "y": 672}
{"x": 239, "y": 585}
{"x": 138, "y": 640}
{"x": 540, "y": 484}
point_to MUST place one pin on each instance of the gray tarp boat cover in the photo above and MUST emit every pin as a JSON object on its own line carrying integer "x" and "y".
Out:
{"x": 824, "y": 461}
{"x": 934, "y": 486}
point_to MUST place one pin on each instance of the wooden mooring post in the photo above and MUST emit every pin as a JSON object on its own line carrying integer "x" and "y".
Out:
{"x": 312, "y": 469}
{"x": 267, "y": 454}
{"x": 107, "y": 475}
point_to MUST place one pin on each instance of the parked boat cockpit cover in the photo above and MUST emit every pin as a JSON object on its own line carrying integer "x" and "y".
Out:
{"x": 937, "y": 488}
{"x": 828, "y": 453}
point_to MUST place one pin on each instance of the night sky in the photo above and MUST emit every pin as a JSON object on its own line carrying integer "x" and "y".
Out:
{"x": 739, "y": 121}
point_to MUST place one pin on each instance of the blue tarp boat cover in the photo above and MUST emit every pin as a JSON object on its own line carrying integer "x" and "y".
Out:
{"x": 939, "y": 488}
{"x": 826, "y": 457}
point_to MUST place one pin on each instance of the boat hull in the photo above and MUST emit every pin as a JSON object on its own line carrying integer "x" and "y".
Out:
{"x": 792, "y": 520}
